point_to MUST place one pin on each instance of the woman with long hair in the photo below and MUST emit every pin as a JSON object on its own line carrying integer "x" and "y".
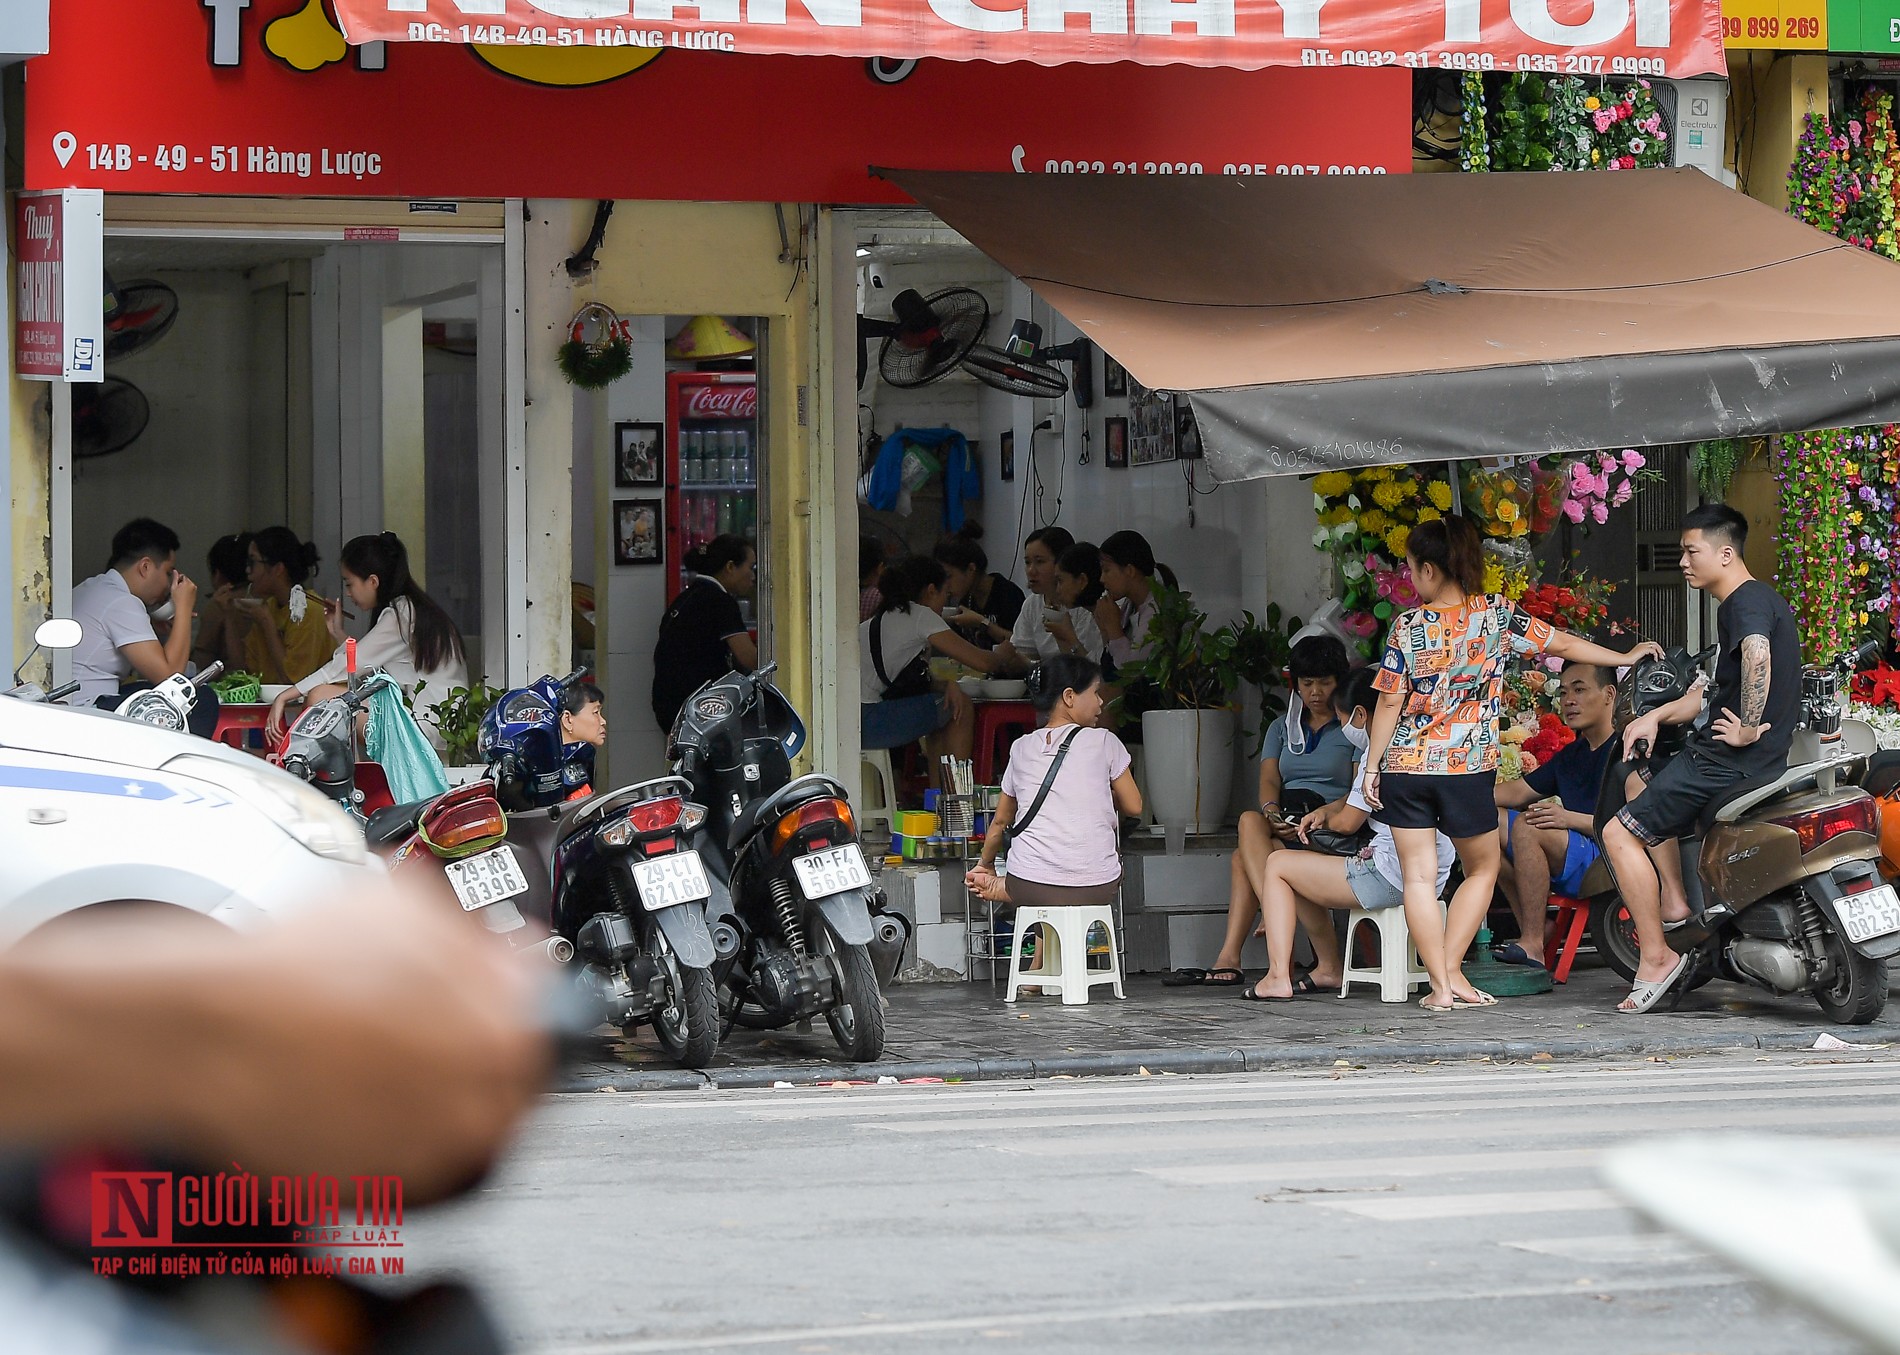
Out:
{"x": 1069, "y": 852}
{"x": 410, "y": 637}
{"x": 228, "y": 563}
{"x": 284, "y": 634}
{"x": 900, "y": 702}
{"x": 1030, "y": 640}
{"x": 986, "y": 604}
{"x": 703, "y": 634}
{"x": 1434, "y": 741}
{"x": 1129, "y": 569}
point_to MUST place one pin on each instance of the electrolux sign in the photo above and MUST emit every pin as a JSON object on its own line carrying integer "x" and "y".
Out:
{"x": 267, "y": 99}
{"x": 59, "y": 304}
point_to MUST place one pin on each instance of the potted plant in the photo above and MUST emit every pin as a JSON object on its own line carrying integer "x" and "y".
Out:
{"x": 1185, "y": 690}
{"x": 458, "y": 718}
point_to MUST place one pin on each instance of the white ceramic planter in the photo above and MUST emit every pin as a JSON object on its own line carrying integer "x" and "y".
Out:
{"x": 1188, "y": 761}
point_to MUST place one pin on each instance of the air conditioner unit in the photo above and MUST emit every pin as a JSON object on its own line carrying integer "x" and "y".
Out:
{"x": 1696, "y": 113}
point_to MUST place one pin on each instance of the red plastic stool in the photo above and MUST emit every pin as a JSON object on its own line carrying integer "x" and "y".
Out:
{"x": 1563, "y": 934}
{"x": 994, "y": 719}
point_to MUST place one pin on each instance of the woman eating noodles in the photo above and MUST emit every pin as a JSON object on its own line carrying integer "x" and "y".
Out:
{"x": 284, "y": 634}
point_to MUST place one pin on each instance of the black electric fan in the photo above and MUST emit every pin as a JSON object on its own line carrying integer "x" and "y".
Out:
{"x": 107, "y": 417}
{"x": 1022, "y": 366}
{"x": 927, "y": 338}
{"x": 138, "y": 315}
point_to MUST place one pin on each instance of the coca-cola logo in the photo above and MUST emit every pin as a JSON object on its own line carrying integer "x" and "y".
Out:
{"x": 722, "y": 402}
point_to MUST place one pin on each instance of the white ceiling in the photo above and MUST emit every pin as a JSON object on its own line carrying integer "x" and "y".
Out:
{"x": 130, "y": 256}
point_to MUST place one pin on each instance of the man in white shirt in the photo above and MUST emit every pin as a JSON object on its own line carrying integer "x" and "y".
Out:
{"x": 119, "y": 644}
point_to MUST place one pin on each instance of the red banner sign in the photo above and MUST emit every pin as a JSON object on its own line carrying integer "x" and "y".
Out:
{"x": 59, "y": 304}
{"x": 1598, "y": 37}
{"x": 266, "y": 99}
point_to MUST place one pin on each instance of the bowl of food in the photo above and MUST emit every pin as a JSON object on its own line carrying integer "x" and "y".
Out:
{"x": 1005, "y": 689}
{"x": 972, "y": 686}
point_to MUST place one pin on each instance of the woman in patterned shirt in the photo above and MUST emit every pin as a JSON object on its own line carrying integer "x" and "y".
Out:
{"x": 1434, "y": 743}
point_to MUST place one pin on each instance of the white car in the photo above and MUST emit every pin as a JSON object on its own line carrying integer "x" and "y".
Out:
{"x": 99, "y": 809}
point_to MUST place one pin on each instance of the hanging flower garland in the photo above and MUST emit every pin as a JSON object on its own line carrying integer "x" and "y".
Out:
{"x": 1814, "y": 178}
{"x": 1474, "y": 142}
{"x": 1365, "y": 522}
{"x": 1571, "y": 130}
{"x": 601, "y": 360}
{"x": 1814, "y": 565}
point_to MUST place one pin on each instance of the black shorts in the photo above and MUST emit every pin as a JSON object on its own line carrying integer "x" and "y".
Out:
{"x": 1675, "y": 793}
{"x": 1459, "y": 806}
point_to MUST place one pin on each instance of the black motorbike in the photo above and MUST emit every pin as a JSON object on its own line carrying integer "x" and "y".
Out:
{"x": 614, "y": 873}
{"x": 807, "y": 915}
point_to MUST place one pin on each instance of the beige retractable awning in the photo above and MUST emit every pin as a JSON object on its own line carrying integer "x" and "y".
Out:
{"x": 1318, "y": 322}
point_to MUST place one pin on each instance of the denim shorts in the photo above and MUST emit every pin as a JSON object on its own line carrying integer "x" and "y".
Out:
{"x": 895, "y": 724}
{"x": 1371, "y": 889}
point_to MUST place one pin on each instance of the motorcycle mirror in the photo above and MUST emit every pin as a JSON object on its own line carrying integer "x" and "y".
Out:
{"x": 58, "y": 633}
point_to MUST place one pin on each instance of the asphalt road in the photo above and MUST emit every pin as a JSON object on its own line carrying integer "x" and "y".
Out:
{"x": 1450, "y": 1208}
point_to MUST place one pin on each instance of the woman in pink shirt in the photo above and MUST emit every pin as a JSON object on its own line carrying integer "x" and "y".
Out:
{"x": 1073, "y": 835}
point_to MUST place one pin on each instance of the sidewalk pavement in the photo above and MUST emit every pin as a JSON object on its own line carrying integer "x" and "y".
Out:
{"x": 966, "y": 1032}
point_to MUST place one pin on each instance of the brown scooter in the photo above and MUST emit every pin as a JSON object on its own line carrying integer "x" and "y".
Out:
{"x": 1783, "y": 873}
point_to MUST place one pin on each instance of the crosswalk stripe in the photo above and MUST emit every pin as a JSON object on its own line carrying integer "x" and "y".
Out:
{"x": 1613, "y": 1248}
{"x": 869, "y": 1105}
{"x": 1369, "y": 1168}
{"x": 1413, "y": 1208}
{"x": 1027, "y": 1123}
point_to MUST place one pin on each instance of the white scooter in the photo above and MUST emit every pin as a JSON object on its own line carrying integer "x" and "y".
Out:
{"x": 111, "y": 810}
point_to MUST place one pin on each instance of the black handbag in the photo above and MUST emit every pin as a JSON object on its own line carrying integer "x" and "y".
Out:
{"x": 912, "y": 680}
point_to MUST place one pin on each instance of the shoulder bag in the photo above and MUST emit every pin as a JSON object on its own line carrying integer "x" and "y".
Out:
{"x": 1021, "y": 826}
{"x": 912, "y": 680}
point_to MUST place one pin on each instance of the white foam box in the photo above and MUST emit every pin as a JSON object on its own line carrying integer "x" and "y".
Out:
{"x": 942, "y": 944}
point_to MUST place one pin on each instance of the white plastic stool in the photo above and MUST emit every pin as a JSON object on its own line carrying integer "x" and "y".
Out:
{"x": 1065, "y": 941}
{"x": 1399, "y": 971}
{"x": 877, "y": 762}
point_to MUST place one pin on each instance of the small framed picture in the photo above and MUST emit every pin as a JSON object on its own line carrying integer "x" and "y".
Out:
{"x": 1187, "y": 431}
{"x": 1006, "y": 458}
{"x": 1115, "y": 443}
{"x": 1114, "y": 378}
{"x": 639, "y": 453}
{"x": 638, "y": 528}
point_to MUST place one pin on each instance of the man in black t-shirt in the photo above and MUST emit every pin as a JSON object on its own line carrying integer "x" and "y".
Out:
{"x": 1753, "y": 707}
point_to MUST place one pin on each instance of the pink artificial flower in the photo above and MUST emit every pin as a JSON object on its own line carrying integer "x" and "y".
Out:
{"x": 1633, "y": 460}
{"x": 1622, "y": 495}
{"x": 1573, "y": 510}
{"x": 1599, "y": 512}
{"x": 1603, "y": 119}
{"x": 1660, "y": 135}
{"x": 1606, "y": 460}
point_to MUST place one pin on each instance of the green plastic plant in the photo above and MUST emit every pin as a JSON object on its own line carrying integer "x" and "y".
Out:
{"x": 1714, "y": 465}
{"x": 459, "y": 718}
{"x": 1190, "y": 667}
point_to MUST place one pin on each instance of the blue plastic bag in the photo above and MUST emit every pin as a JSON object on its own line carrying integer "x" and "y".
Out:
{"x": 397, "y": 742}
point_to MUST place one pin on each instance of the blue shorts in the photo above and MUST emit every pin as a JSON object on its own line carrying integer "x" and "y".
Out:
{"x": 894, "y": 724}
{"x": 1580, "y": 853}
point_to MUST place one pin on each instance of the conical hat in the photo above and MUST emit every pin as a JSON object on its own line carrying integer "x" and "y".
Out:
{"x": 708, "y": 336}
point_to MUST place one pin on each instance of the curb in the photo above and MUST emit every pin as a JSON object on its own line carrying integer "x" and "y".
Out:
{"x": 1184, "y": 1060}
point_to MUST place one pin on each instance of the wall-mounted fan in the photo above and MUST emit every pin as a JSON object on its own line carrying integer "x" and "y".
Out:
{"x": 1022, "y": 366}
{"x": 138, "y": 315}
{"x": 927, "y": 337}
{"x": 107, "y": 417}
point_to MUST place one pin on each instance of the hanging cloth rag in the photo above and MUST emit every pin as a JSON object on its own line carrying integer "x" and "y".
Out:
{"x": 962, "y": 478}
{"x": 396, "y": 742}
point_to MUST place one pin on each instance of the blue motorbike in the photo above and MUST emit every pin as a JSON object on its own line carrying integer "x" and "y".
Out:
{"x": 613, "y": 873}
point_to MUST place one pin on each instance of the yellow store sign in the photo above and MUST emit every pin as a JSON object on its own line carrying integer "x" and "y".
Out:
{"x": 1784, "y": 25}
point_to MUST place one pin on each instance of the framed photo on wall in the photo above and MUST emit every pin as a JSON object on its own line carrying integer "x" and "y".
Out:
{"x": 639, "y": 530}
{"x": 1150, "y": 426}
{"x": 1114, "y": 378}
{"x": 1006, "y": 458}
{"x": 1115, "y": 443}
{"x": 639, "y": 455}
{"x": 1187, "y": 431}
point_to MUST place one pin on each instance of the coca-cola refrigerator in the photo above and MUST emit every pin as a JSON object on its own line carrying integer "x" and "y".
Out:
{"x": 712, "y": 463}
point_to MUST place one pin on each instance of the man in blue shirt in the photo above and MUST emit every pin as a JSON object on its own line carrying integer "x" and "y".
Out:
{"x": 1549, "y": 846}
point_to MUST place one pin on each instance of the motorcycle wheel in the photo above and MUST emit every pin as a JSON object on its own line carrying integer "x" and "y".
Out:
{"x": 688, "y": 1025}
{"x": 857, "y": 1022}
{"x": 1613, "y": 933}
{"x": 1858, "y": 992}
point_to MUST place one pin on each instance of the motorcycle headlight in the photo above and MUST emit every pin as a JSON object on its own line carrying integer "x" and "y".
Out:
{"x": 306, "y": 815}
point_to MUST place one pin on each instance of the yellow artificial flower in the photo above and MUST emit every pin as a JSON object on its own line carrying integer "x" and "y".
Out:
{"x": 1593, "y": 103}
{"x": 1395, "y": 541}
{"x": 1332, "y": 484}
{"x": 1596, "y": 157}
{"x": 1388, "y": 495}
{"x": 1493, "y": 577}
{"x": 1374, "y": 521}
{"x": 1429, "y": 514}
{"x": 1507, "y": 510}
{"x": 1336, "y": 516}
{"x": 1373, "y": 474}
{"x": 1440, "y": 494}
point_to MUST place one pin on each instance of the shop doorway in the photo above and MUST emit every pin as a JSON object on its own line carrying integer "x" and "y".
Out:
{"x": 334, "y": 387}
{"x": 666, "y": 459}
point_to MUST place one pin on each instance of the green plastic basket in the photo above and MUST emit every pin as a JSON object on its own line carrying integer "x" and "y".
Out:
{"x": 250, "y": 694}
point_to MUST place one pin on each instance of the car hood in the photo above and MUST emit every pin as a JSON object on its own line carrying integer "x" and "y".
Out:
{"x": 100, "y": 736}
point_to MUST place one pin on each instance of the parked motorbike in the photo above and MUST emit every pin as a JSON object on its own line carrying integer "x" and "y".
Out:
{"x": 56, "y": 633}
{"x": 168, "y": 704}
{"x": 320, "y": 748}
{"x": 800, "y": 893}
{"x": 614, "y": 872}
{"x": 1781, "y": 873}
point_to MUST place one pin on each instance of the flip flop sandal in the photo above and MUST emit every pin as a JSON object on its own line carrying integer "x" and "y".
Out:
{"x": 1224, "y": 978}
{"x": 1485, "y": 999}
{"x": 1184, "y": 978}
{"x": 1515, "y": 954}
{"x": 1251, "y": 993}
{"x": 1647, "y": 995}
{"x": 1433, "y": 1009}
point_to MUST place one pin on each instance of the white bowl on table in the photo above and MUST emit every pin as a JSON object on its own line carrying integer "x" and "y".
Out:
{"x": 1005, "y": 689}
{"x": 972, "y": 686}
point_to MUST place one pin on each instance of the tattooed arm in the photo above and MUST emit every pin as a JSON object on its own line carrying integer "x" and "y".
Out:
{"x": 1738, "y": 731}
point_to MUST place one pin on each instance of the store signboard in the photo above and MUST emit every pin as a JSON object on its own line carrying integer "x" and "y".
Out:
{"x": 1780, "y": 25}
{"x": 1640, "y": 37}
{"x": 257, "y": 102}
{"x": 1863, "y": 26}
{"x": 59, "y": 305}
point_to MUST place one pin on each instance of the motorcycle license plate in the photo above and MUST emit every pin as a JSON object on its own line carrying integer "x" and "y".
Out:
{"x": 1870, "y": 913}
{"x": 669, "y": 880}
{"x": 822, "y": 874}
{"x": 485, "y": 879}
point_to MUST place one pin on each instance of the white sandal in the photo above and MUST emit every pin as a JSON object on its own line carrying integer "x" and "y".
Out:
{"x": 1648, "y": 994}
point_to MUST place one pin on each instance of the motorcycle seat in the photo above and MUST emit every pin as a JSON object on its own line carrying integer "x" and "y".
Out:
{"x": 1883, "y": 773}
{"x": 394, "y": 822}
{"x": 1714, "y": 808}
